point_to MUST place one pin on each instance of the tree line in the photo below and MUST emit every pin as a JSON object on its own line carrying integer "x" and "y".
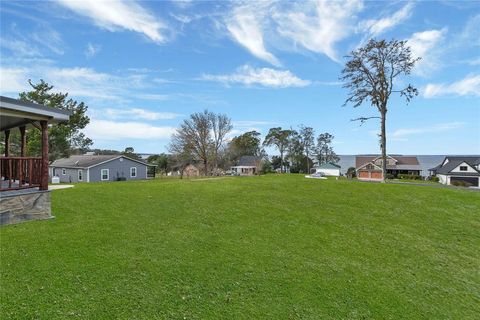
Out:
{"x": 202, "y": 139}
{"x": 372, "y": 74}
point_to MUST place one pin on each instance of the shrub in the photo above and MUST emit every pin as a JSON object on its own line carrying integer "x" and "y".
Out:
{"x": 459, "y": 183}
{"x": 434, "y": 179}
{"x": 266, "y": 167}
{"x": 390, "y": 176}
{"x": 410, "y": 176}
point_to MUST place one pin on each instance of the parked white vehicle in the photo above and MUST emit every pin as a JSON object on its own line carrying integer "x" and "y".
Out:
{"x": 317, "y": 175}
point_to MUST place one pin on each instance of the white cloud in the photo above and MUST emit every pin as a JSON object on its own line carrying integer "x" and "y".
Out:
{"x": 12, "y": 80}
{"x": 379, "y": 26}
{"x": 137, "y": 113}
{"x": 267, "y": 77}
{"x": 470, "y": 85}
{"x": 20, "y": 48}
{"x": 113, "y": 130}
{"x": 245, "y": 26}
{"x": 318, "y": 26}
{"x": 402, "y": 134}
{"x": 78, "y": 82}
{"x": 114, "y": 15}
{"x": 91, "y": 50}
{"x": 426, "y": 44}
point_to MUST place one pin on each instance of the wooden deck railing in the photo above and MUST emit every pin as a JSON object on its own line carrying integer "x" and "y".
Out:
{"x": 20, "y": 172}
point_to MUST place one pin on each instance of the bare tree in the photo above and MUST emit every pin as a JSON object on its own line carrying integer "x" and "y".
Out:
{"x": 370, "y": 75}
{"x": 221, "y": 126}
{"x": 194, "y": 136}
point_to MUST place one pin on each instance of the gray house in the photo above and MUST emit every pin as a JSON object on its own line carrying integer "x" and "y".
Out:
{"x": 248, "y": 166}
{"x": 93, "y": 168}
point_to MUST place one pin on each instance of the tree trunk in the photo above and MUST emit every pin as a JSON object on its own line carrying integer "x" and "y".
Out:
{"x": 44, "y": 170}
{"x": 384, "y": 146}
{"x": 281, "y": 161}
{"x": 308, "y": 164}
{"x": 205, "y": 166}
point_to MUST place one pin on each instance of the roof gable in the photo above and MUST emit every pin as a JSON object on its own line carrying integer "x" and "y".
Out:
{"x": 360, "y": 161}
{"x": 452, "y": 162}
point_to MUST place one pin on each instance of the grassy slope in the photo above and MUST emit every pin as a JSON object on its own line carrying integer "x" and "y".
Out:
{"x": 262, "y": 247}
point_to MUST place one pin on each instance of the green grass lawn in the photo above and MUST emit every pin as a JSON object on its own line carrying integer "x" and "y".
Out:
{"x": 269, "y": 247}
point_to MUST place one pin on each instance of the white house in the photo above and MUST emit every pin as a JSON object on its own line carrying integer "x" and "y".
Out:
{"x": 464, "y": 169}
{"x": 328, "y": 169}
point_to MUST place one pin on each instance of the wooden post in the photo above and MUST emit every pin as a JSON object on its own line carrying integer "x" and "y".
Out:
{"x": 21, "y": 163}
{"x": 7, "y": 143}
{"x": 44, "y": 168}
{"x": 23, "y": 141}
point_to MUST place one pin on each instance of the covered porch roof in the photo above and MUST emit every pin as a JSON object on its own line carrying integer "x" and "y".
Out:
{"x": 15, "y": 113}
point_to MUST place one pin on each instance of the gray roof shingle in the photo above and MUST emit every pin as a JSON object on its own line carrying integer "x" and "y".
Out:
{"x": 455, "y": 161}
{"x": 249, "y": 161}
{"x": 86, "y": 161}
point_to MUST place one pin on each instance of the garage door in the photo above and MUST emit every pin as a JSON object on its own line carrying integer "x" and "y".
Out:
{"x": 363, "y": 174}
{"x": 471, "y": 180}
{"x": 376, "y": 175}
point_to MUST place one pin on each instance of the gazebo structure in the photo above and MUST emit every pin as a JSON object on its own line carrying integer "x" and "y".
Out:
{"x": 24, "y": 191}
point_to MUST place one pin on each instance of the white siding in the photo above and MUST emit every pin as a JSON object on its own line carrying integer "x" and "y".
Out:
{"x": 329, "y": 172}
{"x": 464, "y": 164}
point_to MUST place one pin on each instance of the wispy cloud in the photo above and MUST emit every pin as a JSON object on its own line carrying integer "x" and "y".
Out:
{"x": 245, "y": 27}
{"x": 106, "y": 130}
{"x": 470, "y": 33}
{"x": 267, "y": 77}
{"x": 427, "y": 45}
{"x": 43, "y": 41}
{"x": 91, "y": 50}
{"x": 138, "y": 113}
{"x": 470, "y": 85}
{"x": 376, "y": 27}
{"x": 318, "y": 26}
{"x": 116, "y": 15}
{"x": 77, "y": 81}
{"x": 402, "y": 134}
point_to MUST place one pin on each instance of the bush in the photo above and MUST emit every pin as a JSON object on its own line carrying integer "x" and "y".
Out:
{"x": 459, "y": 183}
{"x": 434, "y": 179}
{"x": 266, "y": 167}
{"x": 390, "y": 176}
{"x": 409, "y": 176}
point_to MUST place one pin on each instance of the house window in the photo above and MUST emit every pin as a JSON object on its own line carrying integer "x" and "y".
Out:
{"x": 80, "y": 175}
{"x": 133, "y": 172}
{"x": 64, "y": 172}
{"x": 463, "y": 168}
{"x": 105, "y": 174}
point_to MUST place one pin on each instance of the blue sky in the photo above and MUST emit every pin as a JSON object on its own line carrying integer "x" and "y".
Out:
{"x": 142, "y": 67}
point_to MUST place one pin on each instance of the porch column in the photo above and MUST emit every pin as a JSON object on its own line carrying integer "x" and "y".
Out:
{"x": 23, "y": 141}
{"x": 44, "y": 172}
{"x": 7, "y": 143}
